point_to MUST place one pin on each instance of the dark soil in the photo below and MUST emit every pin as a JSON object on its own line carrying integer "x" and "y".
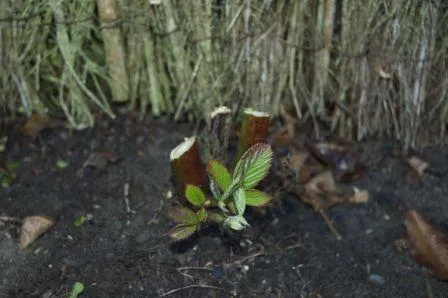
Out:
{"x": 121, "y": 254}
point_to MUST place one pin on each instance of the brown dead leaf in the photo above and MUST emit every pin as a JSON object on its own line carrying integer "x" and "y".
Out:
{"x": 284, "y": 136}
{"x": 32, "y": 228}
{"x": 429, "y": 246}
{"x": 321, "y": 191}
{"x": 340, "y": 157}
{"x": 98, "y": 160}
{"x": 37, "y": 123}
{"x": 359, "y": 196}
{"x": 417, "y": 164}
{"x": 294, "y": 162}
{"x": 322, "y": 183}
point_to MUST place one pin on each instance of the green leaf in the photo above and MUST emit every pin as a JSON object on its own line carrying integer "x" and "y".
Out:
{"x": 184, "y": 215}
{"x": 240, "y": 200}
{"x": 181, "y": 232}
{"x": 194, "y": 195}
{"x": 232, "y": 188}
{"x": 13, "y": 165}
{"x": 61, "y": 164}
{"x": 80, "y": 221}
{"x": 254, "y": 165}
{"x": 201, "y": 215}
{"x": 256, "y": 198}
{"x": 236, "y": 222}
{"x": 220, "y": 174}
{"x": 77, "y": 289}
{"x": 7, "y": 180}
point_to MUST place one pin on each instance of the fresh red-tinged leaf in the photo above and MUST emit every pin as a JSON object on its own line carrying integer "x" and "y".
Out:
{"x": 254, "y": 165}
{"x": 429, "y": 246}
{"x": 183, "y": 215}
{"x": 181, "y": 232}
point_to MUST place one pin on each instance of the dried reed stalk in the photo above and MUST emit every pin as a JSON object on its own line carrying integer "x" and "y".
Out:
{"x": 114, "y": 50}
{"x": 374, "y": 68}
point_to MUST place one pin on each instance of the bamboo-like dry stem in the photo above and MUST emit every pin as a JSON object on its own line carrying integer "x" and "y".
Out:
{"x": 186, "y": 164}
{"x": 254, "y": 128}
{"x": 114, "y": 50}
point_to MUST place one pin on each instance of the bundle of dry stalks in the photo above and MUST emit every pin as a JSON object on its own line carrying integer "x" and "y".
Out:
{"x": 367, "y": 68}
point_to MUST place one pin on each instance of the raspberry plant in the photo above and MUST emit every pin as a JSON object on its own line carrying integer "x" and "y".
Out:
{"x": 230, "y": 193}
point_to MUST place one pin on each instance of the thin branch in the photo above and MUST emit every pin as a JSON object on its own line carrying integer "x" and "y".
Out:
{"x": 191, "y": 287}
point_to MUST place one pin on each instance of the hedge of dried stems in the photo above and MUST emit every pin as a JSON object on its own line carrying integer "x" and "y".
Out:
{"x": 370, "y": 68}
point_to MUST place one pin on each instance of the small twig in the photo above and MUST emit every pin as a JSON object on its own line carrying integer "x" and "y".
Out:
{"x": 429, "y": 289}
{"x": 293, "y": 246}
{"x": 330, "y": 225}
{"x": 190, "y": 287}
{"x": 181, "y": 269}
{"x": 10, "y": 219}
{"x": 254, "y": 255}
{"x": 156, "y": 215}
{"x": 194, "y": 268}
{"x": 126, "y": 198}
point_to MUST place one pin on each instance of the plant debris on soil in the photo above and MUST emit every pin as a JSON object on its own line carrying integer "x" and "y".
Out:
{"x": 109, "y": 212}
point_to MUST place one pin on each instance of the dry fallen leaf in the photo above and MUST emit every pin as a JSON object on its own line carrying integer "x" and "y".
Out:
{"x": 98, "y": 160}
{"x": 359, "y": 196}
{"x": 322, "y": 183}
{"x": 321, "y": 191}
{"x": 429, "y": 246}
{"x": 32, "y": 228}
{"x": 295, "y": 164}
{"x": 340, "y": 157}
{"x": 37, "y": 123}
{"x": 285, "y": 136}
{"x": 417, "y": 164}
